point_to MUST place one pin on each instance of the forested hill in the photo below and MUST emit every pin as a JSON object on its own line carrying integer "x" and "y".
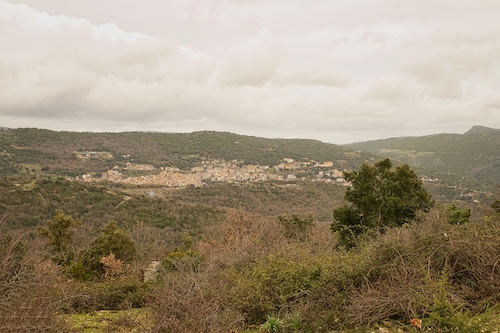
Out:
{"x": 472, "y": 158}
{"x": 55, "y": 150}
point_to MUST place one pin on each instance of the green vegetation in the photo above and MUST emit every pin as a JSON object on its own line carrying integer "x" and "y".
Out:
{"x": 471, "y": 159}
{"x": 126, "y": 321}
{"x": 54, "y": 150}
{"x": 296, "y": 227}
{"x": 59, "y": 232}
{"x": 30, "y": 202}
{"x": 379, "y": 198}
{"x": 458, "y": 216}
{"x": 268, "y": 198}
{"x": 114, "y": 242}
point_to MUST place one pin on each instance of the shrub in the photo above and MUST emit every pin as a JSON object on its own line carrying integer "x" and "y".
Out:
{"x": 118, "y": 294}
{"x": 59, "y": 233}
{"x": 184, "y": 258}
{"x": 113, "y": 240}
{"x": 273, "y": 283}
{"x": 30, "y": 292}
{"x": 192, "y": 302}
{"x": 424, "y": 269}
{"x": 296, "y": 227}
{"x": 457, "y": 215}
{"x": 272, "y": 325}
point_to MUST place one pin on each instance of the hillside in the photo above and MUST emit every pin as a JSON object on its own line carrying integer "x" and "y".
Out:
{"x": 55, "y": 150}
{"x": 471, "y": 159}
{"x": 455, "y": 163}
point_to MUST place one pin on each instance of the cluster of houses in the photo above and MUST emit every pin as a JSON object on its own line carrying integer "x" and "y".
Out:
{"x": 221, "y": 171}
{"x": 93, "y": 155}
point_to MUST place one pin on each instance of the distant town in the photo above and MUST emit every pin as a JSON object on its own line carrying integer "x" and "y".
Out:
{"x": 216, "y": 170}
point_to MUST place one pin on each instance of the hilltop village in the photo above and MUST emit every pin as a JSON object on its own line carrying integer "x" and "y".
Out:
{"x": 215, "y": 170}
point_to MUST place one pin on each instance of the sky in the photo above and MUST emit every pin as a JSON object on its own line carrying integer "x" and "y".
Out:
{"x": 334, "y": 70}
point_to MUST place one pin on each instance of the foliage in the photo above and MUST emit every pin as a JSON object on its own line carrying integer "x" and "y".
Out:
{"x": 379, "y": 198}
{"x": 268, "y": 198}
{"x": 457, "y": 215}
{"x": 272, "y": 325}
{"x": 273, "y": 283}
{"x": 113, "y": 267}
{"x": 183, "y": 258}
{"x": 296, "y": 227}
{"x": 433, "y": 270}
{"x": 33, "y": 201}
{"x": 116, "y": 321}
{"x": 471, "y": 158}
{"x": 113, "y": 240}
{"x": 118, "y": 294}
{"x": 59, "y": 233}
{"x": 183, "y": 150}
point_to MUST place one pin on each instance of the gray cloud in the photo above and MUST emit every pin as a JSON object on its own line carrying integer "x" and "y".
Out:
{"x": 336, "y": 71}
{"x": 253, "y": 62}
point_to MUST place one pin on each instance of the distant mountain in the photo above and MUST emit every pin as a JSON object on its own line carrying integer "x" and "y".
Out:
{"x": 471, "y": 159}
{"x": 481, "y": 130}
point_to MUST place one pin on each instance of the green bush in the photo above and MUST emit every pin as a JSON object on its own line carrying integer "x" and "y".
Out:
{"x": 112, "y": 240}
{"x": 110, "y": 295}
{"x": 184, "y": 258}
{"x": 273, "y": 283}
{"x": 457, "y": 215}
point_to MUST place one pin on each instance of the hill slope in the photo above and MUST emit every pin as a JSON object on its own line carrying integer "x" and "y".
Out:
{"x": 55, "y": 150}
{"x": 472, "y": 158}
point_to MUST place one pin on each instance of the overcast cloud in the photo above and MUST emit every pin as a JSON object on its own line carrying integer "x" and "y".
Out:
{"x": 337, "y": 71}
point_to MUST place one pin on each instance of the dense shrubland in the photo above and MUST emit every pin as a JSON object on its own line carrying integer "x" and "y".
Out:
{"x": 445, "y": 274}
{"x": 244, "y": 272}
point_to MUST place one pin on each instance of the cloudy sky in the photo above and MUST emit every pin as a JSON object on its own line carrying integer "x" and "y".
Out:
{"x": 334, "y": 70}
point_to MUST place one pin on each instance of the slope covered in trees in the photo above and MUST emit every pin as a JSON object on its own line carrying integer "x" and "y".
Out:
{"x": 55, "y": 149}
{"x": 472, "y": 158}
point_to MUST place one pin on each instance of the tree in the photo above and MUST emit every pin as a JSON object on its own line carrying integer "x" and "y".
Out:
{"x": 112, "y": 240}
{"x": 457, "y": 215}
{"x": 59, "y": 232}
{"x": 380, "y": 197}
